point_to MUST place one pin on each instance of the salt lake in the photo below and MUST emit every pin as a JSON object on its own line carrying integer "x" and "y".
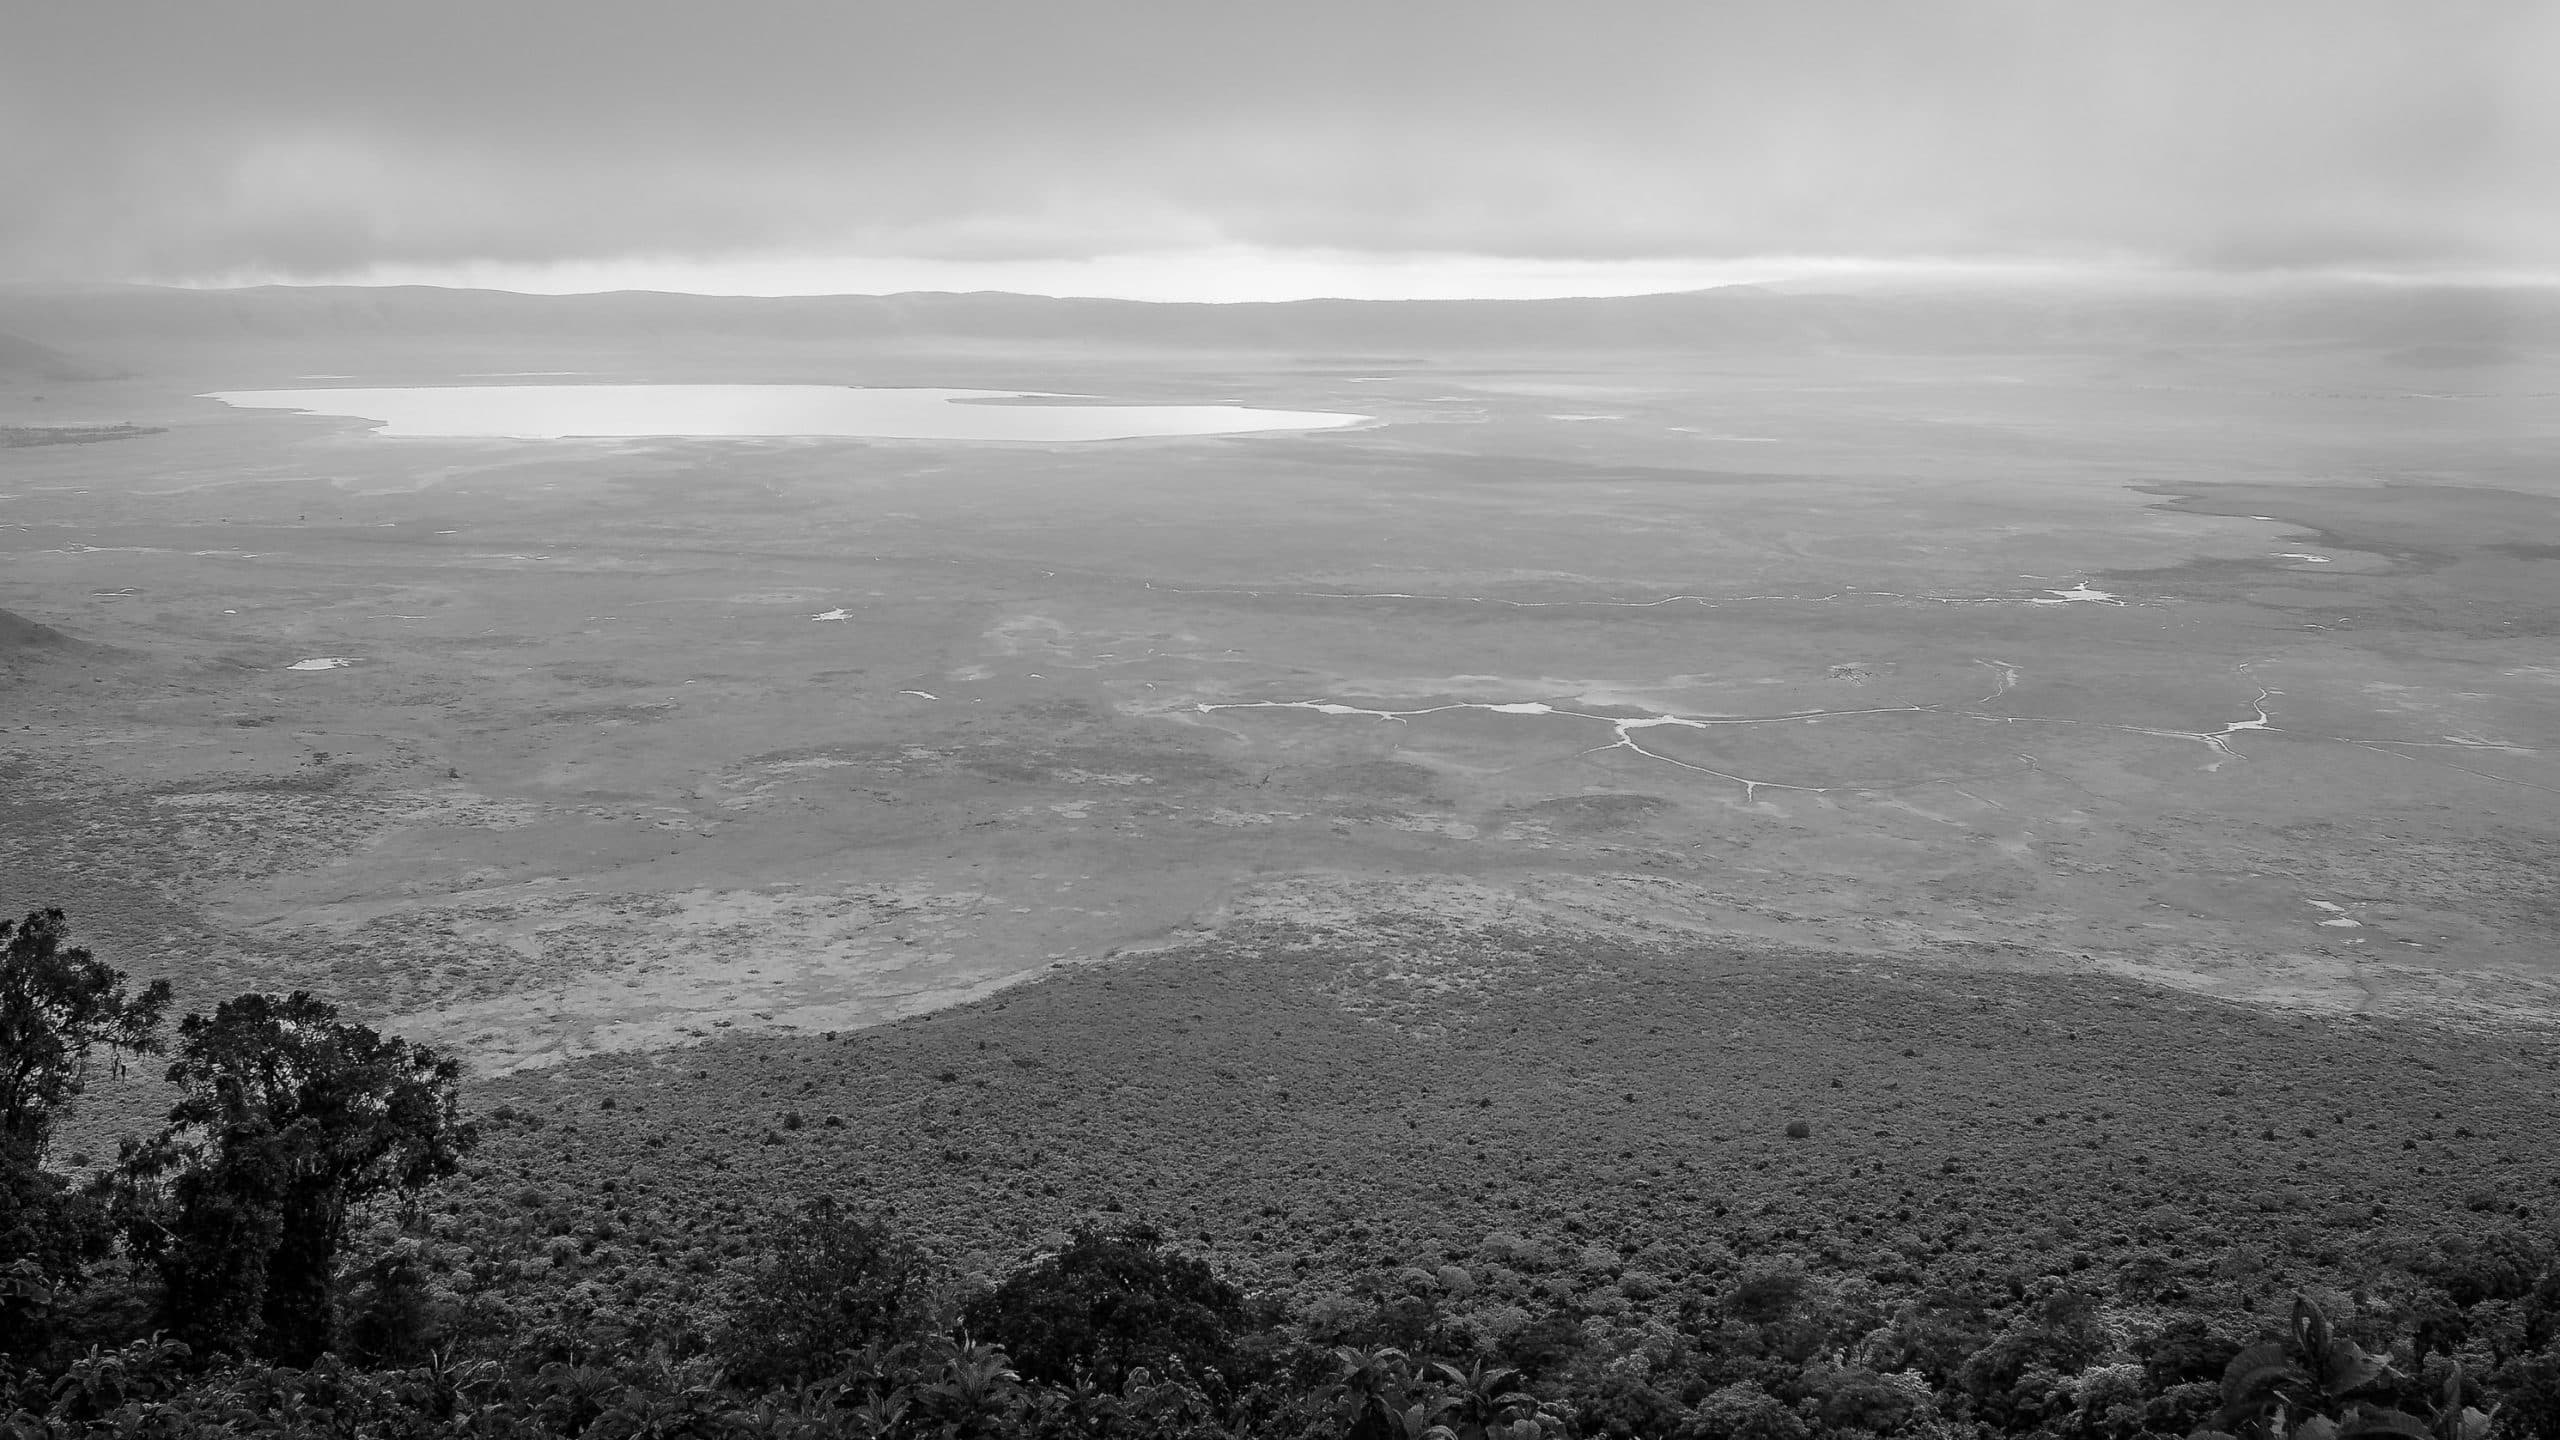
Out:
{"x": 556, "y": 412}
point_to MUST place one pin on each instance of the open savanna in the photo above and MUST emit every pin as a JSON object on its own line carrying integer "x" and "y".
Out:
{"x": 1921, "y": 656}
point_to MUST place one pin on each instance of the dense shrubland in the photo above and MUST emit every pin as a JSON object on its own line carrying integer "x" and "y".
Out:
{"x": 1188, "y": 1198}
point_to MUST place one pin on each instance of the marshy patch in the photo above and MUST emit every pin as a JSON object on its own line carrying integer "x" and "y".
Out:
{"x": 1396, "y": 779}
{"x": 1591, "y": 814}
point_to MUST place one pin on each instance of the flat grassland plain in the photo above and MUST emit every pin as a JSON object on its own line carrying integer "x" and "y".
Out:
{"x": 1851, "y": 700}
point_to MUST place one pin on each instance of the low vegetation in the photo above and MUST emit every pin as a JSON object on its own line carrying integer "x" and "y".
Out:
{"x": 17, "y": 436}
{"x": 1298, "y": 1183}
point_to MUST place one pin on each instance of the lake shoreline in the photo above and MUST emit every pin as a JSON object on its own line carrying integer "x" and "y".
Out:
{"x": 748, "y": 411}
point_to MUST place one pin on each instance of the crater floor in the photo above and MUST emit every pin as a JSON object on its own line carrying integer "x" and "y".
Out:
{"x": 2249, "y": 685}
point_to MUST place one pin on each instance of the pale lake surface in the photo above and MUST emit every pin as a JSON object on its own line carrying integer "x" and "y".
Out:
{"x": 553, "y": 412}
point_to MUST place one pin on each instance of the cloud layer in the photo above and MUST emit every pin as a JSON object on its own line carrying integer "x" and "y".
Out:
{"x": 180, "y": 140}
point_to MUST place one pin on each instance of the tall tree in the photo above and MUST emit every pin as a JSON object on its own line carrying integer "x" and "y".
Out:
{"x": 288, "y": 1118}
{"x": 58, "y": 1004}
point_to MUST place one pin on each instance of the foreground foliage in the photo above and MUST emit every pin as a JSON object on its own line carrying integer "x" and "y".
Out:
{"x": 1969, "y": 1212}
{"x": 287, "y": 1118}
{"x": 1188, "y": 1359}
{"x": 58, "y": 1004}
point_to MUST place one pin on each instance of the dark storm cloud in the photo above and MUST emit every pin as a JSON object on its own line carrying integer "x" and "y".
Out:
{"x": 185, "y": 139}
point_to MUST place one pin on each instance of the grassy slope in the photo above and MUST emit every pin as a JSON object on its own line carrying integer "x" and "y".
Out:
{"x": 1315, "y": 1111}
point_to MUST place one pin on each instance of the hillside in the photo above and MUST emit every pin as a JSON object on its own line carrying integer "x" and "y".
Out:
{"x": 2475, "y": 320}
{"x": 23, "y": 359}
{"x": 1320, "y": 1107}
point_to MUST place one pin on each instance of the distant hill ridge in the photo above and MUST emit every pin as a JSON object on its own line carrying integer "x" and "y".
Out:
{"x": 1736, "y": 316}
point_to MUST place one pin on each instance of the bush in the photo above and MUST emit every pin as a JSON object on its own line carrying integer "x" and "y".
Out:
{"x": 1544, "y": 1346}
{"x": 1743, "y": 1412}
{"x": 1852, "y": 1397}
{"x": 1767, "y": 1296}
{"x": 1938, "y": 1332}
{"x": 1624, "y": 1407}
{"x": 390, "y": 1312}
{"x": 828, "y": 1285}
{"x": 2531, "y": 1404}
{"x": 2186, "y": 1351}
{"x": 1110, "y": 1302}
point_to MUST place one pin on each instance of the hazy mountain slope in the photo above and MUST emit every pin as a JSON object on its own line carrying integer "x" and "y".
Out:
{"x": 24, "y": 359}
{"x": 1732, "y": 317}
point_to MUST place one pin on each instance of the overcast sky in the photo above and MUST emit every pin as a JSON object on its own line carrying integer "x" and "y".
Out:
{"x": 1105, "y": 147}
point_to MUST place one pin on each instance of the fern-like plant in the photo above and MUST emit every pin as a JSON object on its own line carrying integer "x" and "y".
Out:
{"x": 2301, "y": 1388}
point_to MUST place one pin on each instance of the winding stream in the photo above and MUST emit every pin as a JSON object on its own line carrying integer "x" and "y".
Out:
{"x": 1626, "y": 728}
